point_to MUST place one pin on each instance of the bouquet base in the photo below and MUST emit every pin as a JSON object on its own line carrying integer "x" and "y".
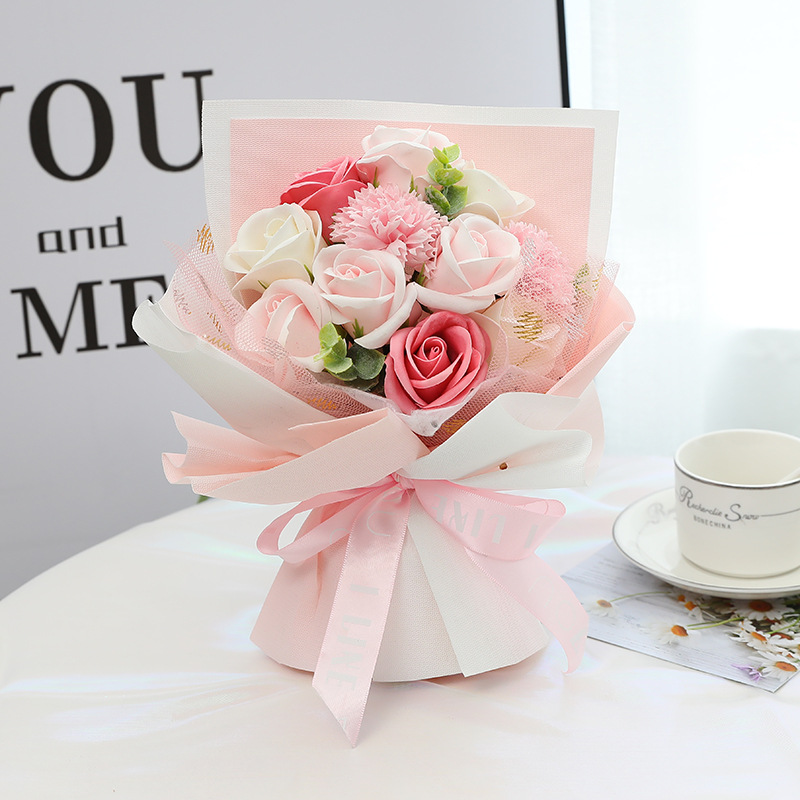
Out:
{"x": 446, "y": 615}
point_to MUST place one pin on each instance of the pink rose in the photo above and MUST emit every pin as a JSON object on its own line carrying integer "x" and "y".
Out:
{"x": 436, "y": 364}
{"x": 366, "y": 290}
{"x": 477, "y": 260}
{"x": 325, "y": 190}
{"x": 292, "y": 313}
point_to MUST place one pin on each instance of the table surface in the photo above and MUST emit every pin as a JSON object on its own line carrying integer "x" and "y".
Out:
{"x": 127, "y": 672}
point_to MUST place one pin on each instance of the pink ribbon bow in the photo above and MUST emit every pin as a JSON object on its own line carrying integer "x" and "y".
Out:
{"x": 499, "y": 532}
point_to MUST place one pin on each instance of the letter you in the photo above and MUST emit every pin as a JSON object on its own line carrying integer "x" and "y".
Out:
{"x": 41, "y": 133}
{"x": 146, "y": 108}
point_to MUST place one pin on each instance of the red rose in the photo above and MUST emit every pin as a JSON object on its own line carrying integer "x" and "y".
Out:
{"x": 325, "y": 190}
{"x": 437, "y": 363}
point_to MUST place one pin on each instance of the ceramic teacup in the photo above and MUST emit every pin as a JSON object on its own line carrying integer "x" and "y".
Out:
{"x": 738, "y": 502}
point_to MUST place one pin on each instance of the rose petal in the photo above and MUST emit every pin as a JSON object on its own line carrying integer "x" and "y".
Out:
{"x": 465, "y": 303}
{"x": 251, "y": 285}
{"x": 380, "y": 335}
{"x": 292, "y": 313}
{"x": 325, "y": 190}
{"x": 485, "y": 188}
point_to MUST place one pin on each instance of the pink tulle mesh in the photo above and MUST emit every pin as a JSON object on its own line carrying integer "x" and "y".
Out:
{"x": 540, "y": 338}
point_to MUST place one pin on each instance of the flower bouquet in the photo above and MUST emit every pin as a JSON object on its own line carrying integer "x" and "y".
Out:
{"x": 399, "y": 311}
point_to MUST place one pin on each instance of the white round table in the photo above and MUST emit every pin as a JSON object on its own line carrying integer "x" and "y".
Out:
{"x": 127, "y": 672}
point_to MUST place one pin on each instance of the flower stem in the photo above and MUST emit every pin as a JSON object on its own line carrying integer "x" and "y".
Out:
{"x": 699, "y": 626}
{"x": 636, "y": 594}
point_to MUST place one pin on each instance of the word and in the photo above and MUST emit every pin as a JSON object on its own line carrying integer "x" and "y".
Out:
{"x": 108, "y": 236}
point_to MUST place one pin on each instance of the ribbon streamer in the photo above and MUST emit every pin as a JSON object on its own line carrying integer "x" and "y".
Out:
{"x": 499, "y": 532}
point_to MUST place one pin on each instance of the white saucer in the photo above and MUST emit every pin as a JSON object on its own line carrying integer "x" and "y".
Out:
{"x": 645, "y": 534}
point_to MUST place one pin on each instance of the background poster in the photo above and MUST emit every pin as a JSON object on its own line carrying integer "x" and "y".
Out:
{"x": 100, "y": 166}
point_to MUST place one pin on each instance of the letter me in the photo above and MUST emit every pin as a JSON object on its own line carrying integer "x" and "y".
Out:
{"x": 84, "y": 292}
{"x": 127, "y": 287}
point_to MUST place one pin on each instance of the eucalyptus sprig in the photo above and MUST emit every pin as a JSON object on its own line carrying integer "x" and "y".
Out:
{"x": 449, "y": 199}
{"x": 348, "y": 361}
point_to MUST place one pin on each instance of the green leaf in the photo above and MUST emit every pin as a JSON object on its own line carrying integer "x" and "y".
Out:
{"x": 358, "y": 331}
{"x": 452, "y": 152}
{"x": 333, "y": 350}
{"x": 437, "y": 200}
{"x": 368, "y": 363}
{"x": 366, "y": 386}
{"x": 328, "y": 336}
{"x": 433, "y": 167}
{"x": 339, "y": 350}
{"x": 310, "y": 273}
{"x": 447, "y": 176}
{"x": 342, "y": 369}
{"x": 440, "y": 156}
{"x": 456, "y": 199}
{"x": 419, "y": 277}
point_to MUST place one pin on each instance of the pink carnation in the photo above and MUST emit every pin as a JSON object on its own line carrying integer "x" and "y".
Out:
{"x": 546, "y": 277}
{"x": 522, "y": 230}
{"x": 387, "y": 218}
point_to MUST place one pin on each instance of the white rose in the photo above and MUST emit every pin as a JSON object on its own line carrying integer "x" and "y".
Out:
{"x": 477, "y": 260}
{"x": 366, "y": 290}
{"x": 488, "y": 196}
{"x": 273, "y": 244}
{"x": 397, "y": 155}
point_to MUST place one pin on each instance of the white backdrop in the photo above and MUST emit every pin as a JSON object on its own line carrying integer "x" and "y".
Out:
{"x": 99, "y": 141}
{"x": 705, "y": 211}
